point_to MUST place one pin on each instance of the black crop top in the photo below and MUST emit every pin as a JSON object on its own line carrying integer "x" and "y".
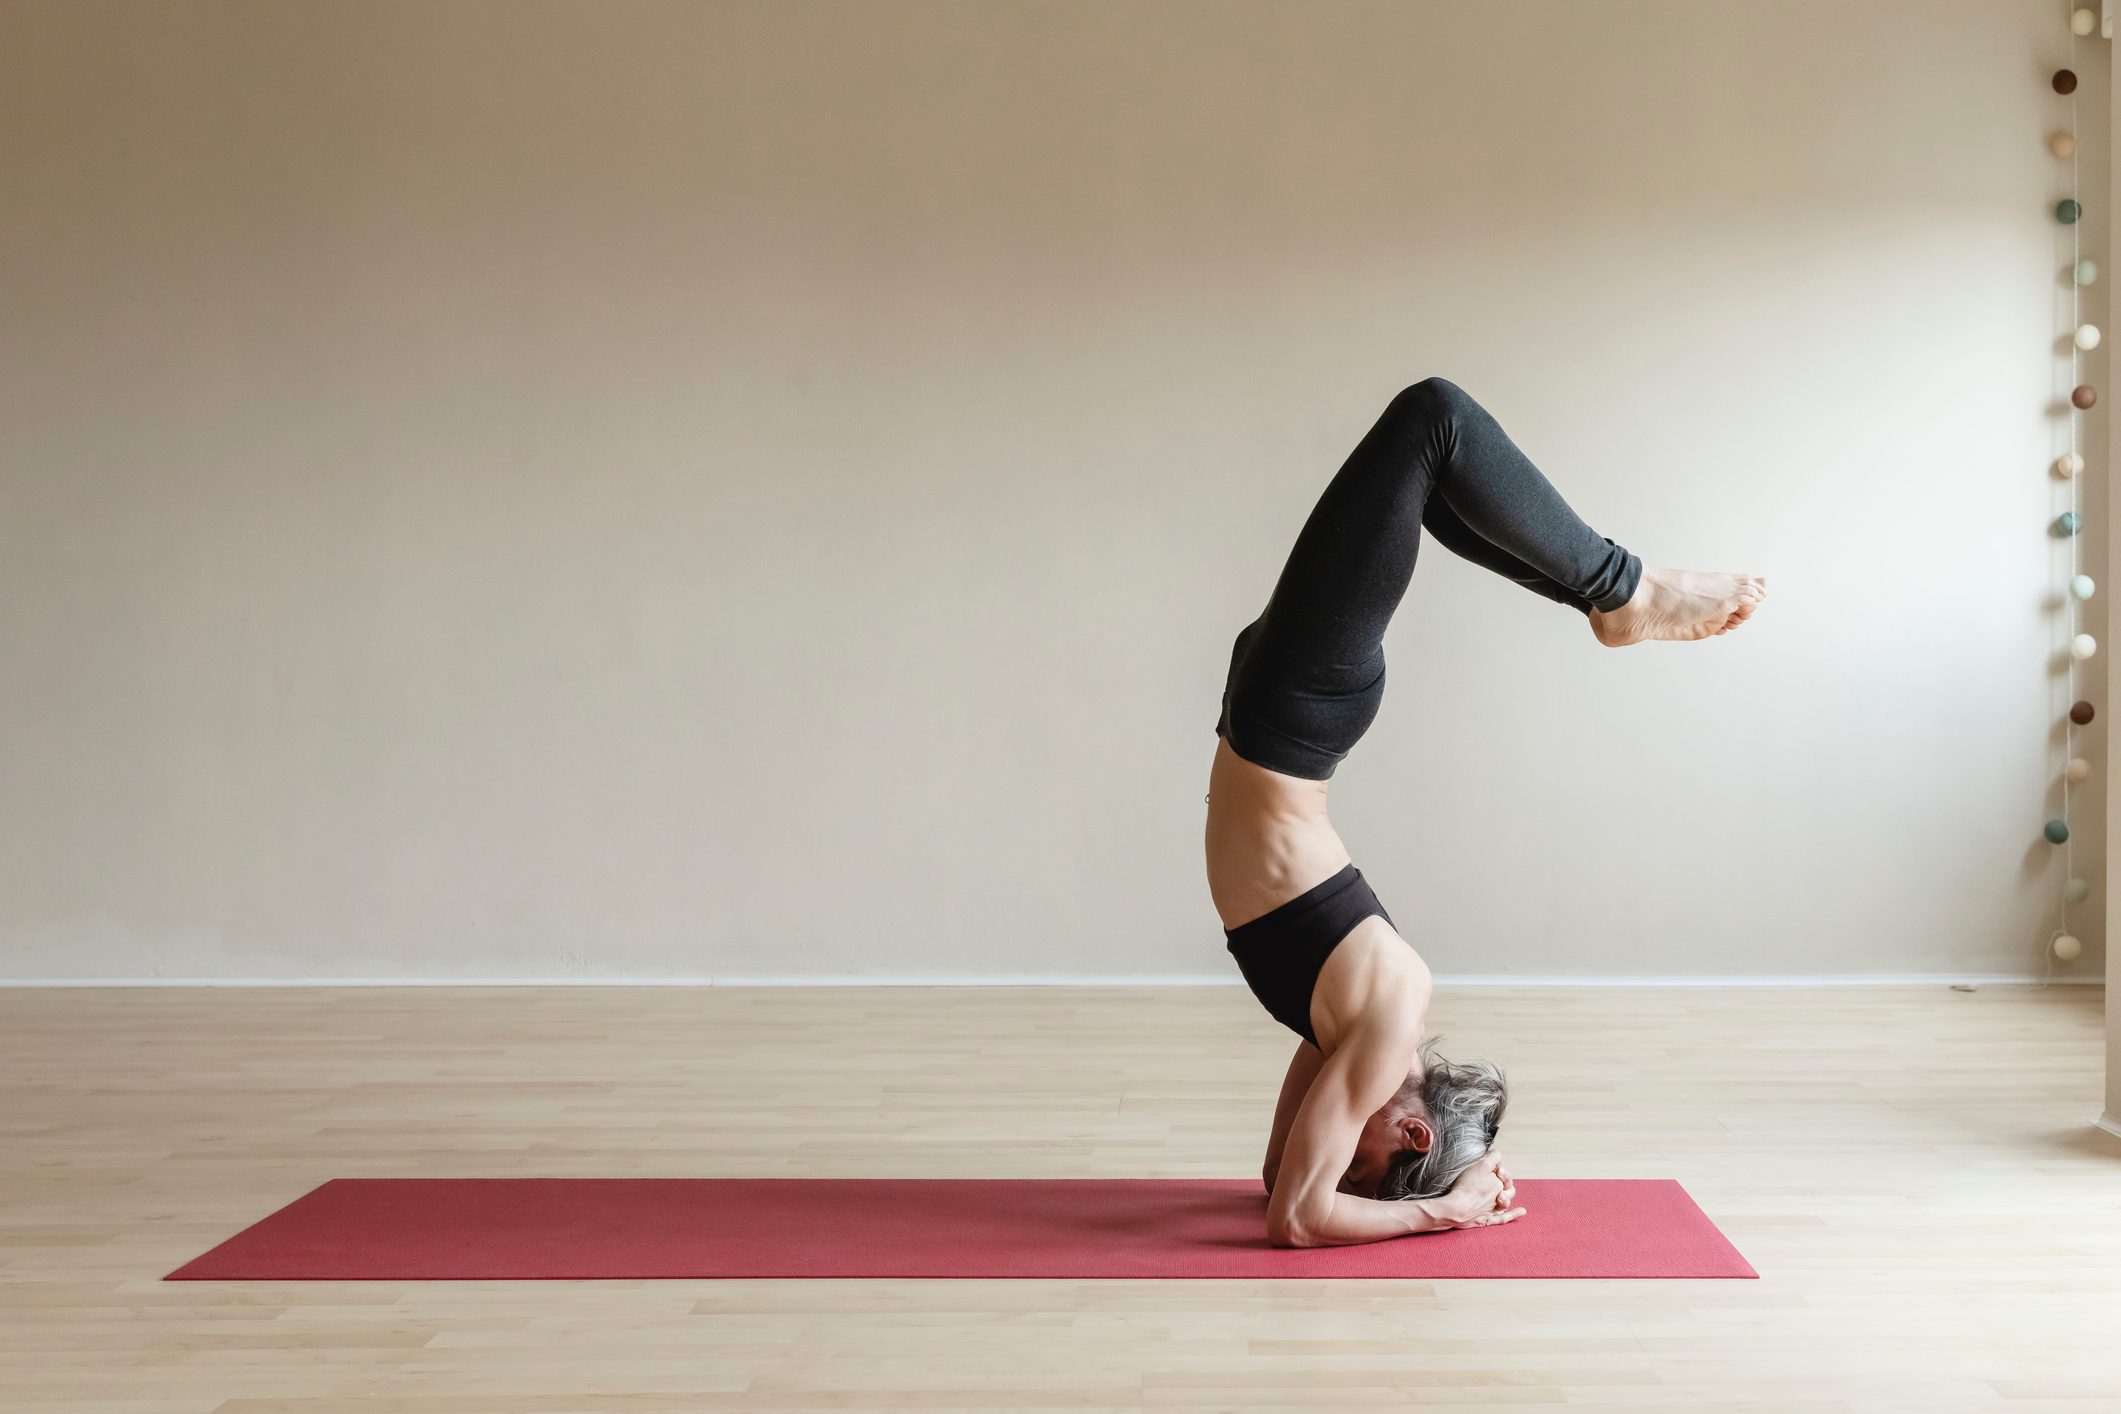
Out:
{"x": 1281, "y": 951}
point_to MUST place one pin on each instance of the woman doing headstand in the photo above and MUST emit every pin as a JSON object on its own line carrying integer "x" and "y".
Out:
{"x": 1375, "y": 1135}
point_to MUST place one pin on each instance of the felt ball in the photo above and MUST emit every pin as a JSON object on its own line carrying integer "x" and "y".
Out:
{"x": 2076, "y": 891}
{"x": 2056, "y": 831}
{"x": 2068, "y": 523}
{"x": 2067, "y": 948}
{"x": 2067, "y": 211}
{"x": 2087, "y": 336}
{"x": 2082, "y": 587}
{"x": 2063, "y": 144}
{"x": 2084, "y": 395}
{"x": 2064, "y": 81}
{"x": 2087, "y": 271}
{"x": 2078, "y": 769}
{"x": 2082, "y": 712}
{"x": 2068, "y": 465}
{"x": 2083, "y": 646}
{"x": 2083, "y": 22}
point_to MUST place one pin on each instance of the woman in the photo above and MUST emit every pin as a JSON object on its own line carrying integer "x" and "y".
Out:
{"x": 1375, "y": 1135}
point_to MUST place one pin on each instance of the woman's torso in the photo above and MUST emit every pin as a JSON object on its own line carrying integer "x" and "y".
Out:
{"x": 1269, "y": 841}
{"x": 1268, "y": 837}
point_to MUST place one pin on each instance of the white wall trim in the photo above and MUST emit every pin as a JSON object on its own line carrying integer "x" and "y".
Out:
{"x": 2108, "y": 1123}
{"x": 1059, "y": 980}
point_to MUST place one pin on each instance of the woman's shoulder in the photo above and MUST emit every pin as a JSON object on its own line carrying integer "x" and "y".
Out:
{"x": 1373, "y": 982}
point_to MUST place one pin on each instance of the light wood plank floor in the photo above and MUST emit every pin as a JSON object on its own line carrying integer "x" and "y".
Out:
{"x": 1912, "y": 1170}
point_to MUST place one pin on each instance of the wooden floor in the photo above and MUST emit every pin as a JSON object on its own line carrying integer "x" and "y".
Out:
{"x": 1913, "y": 1172}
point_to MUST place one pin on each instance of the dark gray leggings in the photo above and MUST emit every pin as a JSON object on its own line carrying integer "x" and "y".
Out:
{"x": 1307, "y": 676}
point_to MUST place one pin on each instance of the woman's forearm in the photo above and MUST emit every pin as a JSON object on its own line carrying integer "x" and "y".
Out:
{"x": 1346, "y": 1220}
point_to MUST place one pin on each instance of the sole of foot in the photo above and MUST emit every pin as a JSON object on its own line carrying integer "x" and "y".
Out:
{"x": 1680, "y": 606}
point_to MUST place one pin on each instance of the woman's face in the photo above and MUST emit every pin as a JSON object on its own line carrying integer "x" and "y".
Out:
{"x": 1388, "y": 1132}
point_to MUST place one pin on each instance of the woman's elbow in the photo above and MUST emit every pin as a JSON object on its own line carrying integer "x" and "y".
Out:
{"x": 1285, "y": 1231}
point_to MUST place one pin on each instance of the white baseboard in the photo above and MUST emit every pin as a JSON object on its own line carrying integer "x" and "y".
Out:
{"x": 2108, "y": 1123}
{"x": 1918, "y": 979}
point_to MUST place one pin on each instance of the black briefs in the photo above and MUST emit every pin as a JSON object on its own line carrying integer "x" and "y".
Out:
{"x": 1281, "y": 951}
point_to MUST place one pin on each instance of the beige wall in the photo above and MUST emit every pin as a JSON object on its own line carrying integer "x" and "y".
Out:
{"x": 756, "y": 489}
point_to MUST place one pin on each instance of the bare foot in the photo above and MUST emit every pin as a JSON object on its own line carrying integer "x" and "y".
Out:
{"x": 1679, "y": 606}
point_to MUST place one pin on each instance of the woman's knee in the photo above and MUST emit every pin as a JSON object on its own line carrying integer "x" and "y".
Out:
{"x": 1436, "y": 395}
{"x": 1426, "y": 413}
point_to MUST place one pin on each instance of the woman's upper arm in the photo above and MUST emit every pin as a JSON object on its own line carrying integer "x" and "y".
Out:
{"x": 1295, "y": 1084}
{"x": 1350, "y": 1085}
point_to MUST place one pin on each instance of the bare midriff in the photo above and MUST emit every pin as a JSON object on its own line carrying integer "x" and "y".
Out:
{"x": 1268, "y": 837}
{"x": 1269, "y": 840}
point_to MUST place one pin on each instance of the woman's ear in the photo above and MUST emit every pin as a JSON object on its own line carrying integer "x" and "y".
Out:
{"x": 1414, "y": 1133}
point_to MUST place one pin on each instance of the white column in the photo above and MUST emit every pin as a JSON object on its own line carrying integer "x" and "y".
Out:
{"x": 2111, "y": 1119}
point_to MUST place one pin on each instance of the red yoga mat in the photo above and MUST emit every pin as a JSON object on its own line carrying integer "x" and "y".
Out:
{"x": 430, "y": 1229}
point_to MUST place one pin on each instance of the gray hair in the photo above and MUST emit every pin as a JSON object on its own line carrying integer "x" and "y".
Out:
{"x": 1463, "y": 1105}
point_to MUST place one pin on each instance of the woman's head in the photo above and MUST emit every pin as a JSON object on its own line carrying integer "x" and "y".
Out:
{"x": 1442, "y": 1121}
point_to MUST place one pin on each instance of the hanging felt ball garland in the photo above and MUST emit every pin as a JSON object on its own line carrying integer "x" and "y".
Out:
{"x": 2066, "y": 526}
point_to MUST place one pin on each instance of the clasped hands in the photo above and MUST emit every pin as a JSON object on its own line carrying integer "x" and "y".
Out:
{"x": 1484, "y": 1196}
